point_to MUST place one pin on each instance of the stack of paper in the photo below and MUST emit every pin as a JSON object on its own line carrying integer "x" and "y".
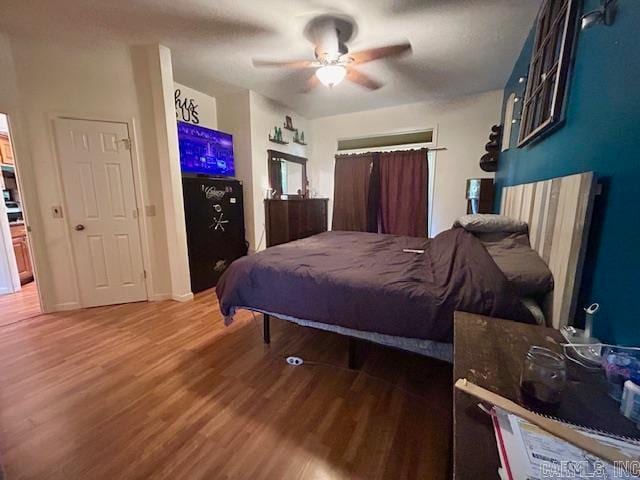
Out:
{"x": 530, "y": 453}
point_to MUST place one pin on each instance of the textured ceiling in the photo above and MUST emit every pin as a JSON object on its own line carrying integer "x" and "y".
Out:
{"x": 459, "y": 46}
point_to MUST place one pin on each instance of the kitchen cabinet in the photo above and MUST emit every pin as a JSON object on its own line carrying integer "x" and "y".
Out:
{"x": 21, "y": 251}
{"x": 6, "y": 153}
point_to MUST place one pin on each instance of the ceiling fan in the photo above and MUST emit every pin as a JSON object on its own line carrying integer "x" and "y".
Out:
{"x": 334, "y": 62}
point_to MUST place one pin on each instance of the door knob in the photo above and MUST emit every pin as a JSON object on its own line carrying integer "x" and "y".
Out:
{"x": 79, "y": 227}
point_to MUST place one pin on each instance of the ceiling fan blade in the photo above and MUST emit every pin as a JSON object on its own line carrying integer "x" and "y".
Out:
{"x": 285, "y": 64}
{"x": 364, "y": 56}
{"x": 312, "y": 82}
{"x": 360, "y": 78}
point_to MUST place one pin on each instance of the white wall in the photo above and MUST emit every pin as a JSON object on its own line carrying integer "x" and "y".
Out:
{"x": 168, "y": 163}
{"x": 250, "y": 118}
{"x": 108, "y": 81}
{"x": 265, "y": 115}
{"x": 206, "y": 114}
{"x": 234, "y": 117}
{"x": 463, "y": 127}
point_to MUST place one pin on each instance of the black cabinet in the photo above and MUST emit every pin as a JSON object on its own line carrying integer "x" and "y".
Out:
{"x": 214, "y": 218}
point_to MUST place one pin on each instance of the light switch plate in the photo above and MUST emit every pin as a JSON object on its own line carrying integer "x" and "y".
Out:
{"x": 150, "y": 210}
{"x": 56, "y": 211}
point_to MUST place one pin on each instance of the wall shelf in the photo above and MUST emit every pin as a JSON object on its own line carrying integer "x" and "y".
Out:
{"x": 299, "y": 143}
{"x": 275, "y": 140}
{"x": 290, "y": 129}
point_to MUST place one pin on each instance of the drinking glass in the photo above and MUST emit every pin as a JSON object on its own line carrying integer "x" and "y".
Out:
{"x": 543, "y": 378}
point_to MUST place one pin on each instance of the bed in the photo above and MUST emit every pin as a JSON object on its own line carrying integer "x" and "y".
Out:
{"x": 399, "y": 291}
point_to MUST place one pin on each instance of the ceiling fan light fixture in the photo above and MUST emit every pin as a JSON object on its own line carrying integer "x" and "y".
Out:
{"x": 331, "y": 75}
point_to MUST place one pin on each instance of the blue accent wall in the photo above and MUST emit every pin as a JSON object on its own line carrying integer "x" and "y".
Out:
{"x": 601, "y": 133}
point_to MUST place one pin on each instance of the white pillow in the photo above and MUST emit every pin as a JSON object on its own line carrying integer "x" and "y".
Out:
{"x": 489, "y": 223}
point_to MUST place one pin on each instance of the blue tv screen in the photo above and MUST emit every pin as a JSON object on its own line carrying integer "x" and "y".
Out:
{"x": 205, "y": 151}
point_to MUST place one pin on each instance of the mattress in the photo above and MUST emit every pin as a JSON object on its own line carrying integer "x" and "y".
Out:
{"x": 373, "y": 283}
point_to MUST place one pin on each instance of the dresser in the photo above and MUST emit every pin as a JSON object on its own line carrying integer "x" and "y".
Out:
{"x": 293, "y": 219}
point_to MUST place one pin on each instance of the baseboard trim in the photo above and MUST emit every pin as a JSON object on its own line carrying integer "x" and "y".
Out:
{"x": 160, "y": 297}
{"x": 61, "y": 307}
{"x": 185, "y": 297}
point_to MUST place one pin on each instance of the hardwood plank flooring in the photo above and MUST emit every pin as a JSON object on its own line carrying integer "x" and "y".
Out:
{"x": 165, "y": 390}
{"x": 20, "y": 305}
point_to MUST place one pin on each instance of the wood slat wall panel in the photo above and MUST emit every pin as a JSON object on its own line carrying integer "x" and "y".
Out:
{"x": 558, "y": 212}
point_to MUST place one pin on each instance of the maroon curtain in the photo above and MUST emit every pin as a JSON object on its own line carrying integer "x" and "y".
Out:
{"x": 351, "y": 192}
{"x": 403, "y": 192}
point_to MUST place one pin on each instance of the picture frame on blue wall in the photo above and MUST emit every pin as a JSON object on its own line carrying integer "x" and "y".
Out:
{"x": 544, "y": 101}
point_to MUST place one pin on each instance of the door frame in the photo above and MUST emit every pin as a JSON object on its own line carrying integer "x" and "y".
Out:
{"x": 138, "y": 175}
{"x": 28, "y": 198}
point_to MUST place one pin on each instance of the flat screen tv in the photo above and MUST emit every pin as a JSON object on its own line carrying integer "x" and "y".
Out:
{"x": 205, "y": 151}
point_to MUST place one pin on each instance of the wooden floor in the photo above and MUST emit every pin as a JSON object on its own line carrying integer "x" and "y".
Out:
{"x": 165, "y": 390}
{"x": 21, "y": 305}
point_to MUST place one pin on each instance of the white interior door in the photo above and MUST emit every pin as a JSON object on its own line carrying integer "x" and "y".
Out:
{"x": 97, "y": 177}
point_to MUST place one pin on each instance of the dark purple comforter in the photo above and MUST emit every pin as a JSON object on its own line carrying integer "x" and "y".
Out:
{"x": 365, "y": 281}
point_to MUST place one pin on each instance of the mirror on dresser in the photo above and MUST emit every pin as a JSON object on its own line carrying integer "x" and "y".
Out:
{"x": 289, "y": 213}
{"x": 287, "y": 175}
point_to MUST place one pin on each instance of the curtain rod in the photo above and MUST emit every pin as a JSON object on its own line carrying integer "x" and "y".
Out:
{"x": 356, "y": 151}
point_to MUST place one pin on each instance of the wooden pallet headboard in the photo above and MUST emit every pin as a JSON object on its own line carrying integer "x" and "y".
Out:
{"x": 558, "y": 212}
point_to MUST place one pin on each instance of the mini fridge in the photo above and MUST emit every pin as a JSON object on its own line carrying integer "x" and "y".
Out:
{"x": 214, "y": 219}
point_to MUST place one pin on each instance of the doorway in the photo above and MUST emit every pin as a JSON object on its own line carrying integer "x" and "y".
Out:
{"x": 19, "y": 297}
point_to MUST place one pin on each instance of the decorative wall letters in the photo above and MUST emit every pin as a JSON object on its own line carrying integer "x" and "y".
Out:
{"x": 186, "y": 108}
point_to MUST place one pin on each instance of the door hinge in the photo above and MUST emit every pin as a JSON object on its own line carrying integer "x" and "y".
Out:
{"x": 127, "y": 143}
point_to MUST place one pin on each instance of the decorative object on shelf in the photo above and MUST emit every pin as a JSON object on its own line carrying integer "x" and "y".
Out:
{"x": 298, "y": 138}
{"x": 275, "y": 140}
{"x": 479, "y": 194}
{"x": 489, "y": 161}
{"x": 277, "y": 136}
{"x": 288, "y": 123}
